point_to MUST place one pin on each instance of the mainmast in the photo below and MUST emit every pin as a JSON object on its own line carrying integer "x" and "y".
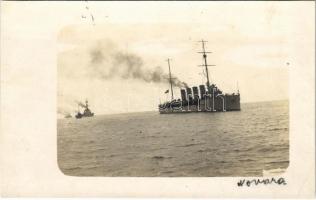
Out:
{"x": 205, "y": 64}
{"x": 170, "y": 79}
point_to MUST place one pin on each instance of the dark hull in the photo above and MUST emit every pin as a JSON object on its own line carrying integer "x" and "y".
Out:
{"x": 79, "y": 116}
{"x": 209, "y": 104}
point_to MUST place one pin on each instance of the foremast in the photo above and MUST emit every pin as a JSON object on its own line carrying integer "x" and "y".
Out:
{"x": 170, "y": 79}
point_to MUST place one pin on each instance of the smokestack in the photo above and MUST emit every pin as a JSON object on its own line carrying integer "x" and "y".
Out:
{"x": 195, "y": 92}
{"x": 189, "y": 92}
{"x": 202, "y": 91}
{"x": 183, "y": 95}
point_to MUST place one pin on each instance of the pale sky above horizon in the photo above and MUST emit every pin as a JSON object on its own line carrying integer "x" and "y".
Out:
{"x": 252, "y": 43}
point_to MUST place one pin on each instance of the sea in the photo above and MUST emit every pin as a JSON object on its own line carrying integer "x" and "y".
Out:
{"x": 251, "y": 142}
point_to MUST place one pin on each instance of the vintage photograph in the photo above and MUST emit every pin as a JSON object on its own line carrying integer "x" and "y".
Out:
{"x": 175, "y": 90}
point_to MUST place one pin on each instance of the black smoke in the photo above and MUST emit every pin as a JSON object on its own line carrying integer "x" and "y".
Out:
{"x": 81, "y": 104}
{"x": 108, "y": 62}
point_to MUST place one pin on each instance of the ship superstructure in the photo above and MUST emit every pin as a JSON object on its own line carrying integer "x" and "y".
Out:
{"x": 205, "y": 98}
{"x": 86, "y": 112}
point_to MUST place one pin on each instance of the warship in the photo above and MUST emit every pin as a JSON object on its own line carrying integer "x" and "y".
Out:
{"x": 205, "y": 98}
{"x": 68, "y": 115}
{"x": 86, "y": 113}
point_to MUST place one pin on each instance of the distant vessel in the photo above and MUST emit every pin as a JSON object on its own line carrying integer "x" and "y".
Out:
{"x": 207, "y": 98}
{"x": 86, "y": 113}
{"x": 68, "y": 115}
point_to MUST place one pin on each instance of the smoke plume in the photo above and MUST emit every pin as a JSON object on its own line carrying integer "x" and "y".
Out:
{"x": 107, "y": 62}
{"x": 81, "y": 104}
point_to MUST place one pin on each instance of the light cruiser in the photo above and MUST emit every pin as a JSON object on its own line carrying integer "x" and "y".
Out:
{"x": 205, "y": 98}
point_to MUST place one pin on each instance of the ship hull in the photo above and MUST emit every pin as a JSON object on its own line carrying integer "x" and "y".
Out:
{"x": 221, "y": 103}
{"x": 79, "y": 116}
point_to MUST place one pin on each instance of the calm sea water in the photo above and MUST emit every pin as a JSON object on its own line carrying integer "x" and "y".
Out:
{"x": 244, "y": 143}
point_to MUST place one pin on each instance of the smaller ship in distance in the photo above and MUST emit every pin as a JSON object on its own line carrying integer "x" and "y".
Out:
{"x": 86, "y": 113}
{"x": 68, "y": 115}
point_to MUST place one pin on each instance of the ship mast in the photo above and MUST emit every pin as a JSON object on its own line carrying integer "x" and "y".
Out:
{"x": 205, "y": 64}
{"x": 170, "y": 79}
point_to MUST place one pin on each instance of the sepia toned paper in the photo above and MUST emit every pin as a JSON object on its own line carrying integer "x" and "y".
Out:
{"x": 265, "y": 50}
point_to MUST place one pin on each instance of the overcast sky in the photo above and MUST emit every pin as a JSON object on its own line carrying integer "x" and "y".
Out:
{"x": 110, "y": 57}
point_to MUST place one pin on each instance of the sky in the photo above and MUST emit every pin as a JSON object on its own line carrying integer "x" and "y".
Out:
{"x": 113, "y": 55}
